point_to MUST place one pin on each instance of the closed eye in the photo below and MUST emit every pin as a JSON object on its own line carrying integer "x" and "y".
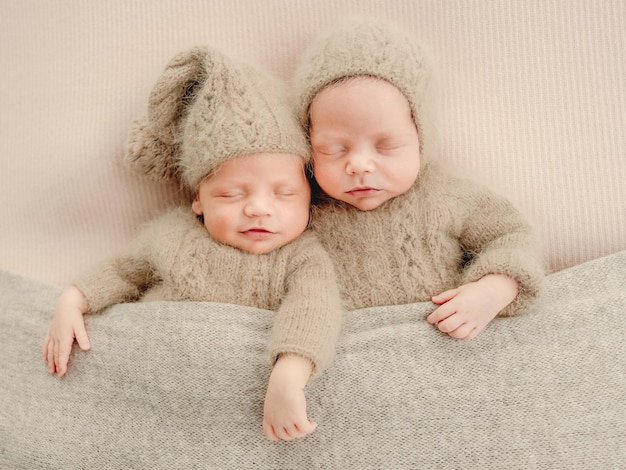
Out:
{"x": 329, "y": 150}
{"x": 389, "y": 145}
{"x": 230, "y": 195}
{"x": 285, "y": 192}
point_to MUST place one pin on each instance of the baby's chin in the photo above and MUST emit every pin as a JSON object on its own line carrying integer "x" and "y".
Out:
{"x": 264, "y": 248}
{"x": 369, "y": 206}
{"x": 366, "y": 204}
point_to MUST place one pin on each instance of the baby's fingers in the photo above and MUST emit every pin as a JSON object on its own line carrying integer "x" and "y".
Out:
{"x": 290, "y": 432}
{"x": 296, "y": 430}
{"x": 50, "y": 356}
{"x": 62, "y": 356}
{"x": 452, "y": 323}
{"x": 44, "y": 353}
{"x": 445, "y": 296}
{"x": 306, "y": 428}
{"x": 268, "y": 431}
{"x": 80, "y": 333}
{"x": 465, "y": 331}
{"x": 440, "y": 314}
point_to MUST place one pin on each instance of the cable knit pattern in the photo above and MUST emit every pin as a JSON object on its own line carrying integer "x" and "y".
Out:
{"x": 445, "y": 231}
{"x": 174, "y": 258}
{"x": 207, "y": 108}
{"x": 417, "y": 245}
{"x": 376, "y": 48}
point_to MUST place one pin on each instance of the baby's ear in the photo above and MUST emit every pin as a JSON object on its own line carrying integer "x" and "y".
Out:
{"x": 196, "y": 206}
{"x": 153, "y": 146}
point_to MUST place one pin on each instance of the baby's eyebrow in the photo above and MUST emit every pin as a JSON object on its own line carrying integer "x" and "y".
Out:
{"x": 389, "y": 133}
{"x": 392, "y": 135}
{"x": 321, "y": 139}
{"x": 389, "y": 139}
{"x": 227, "y": 190}
{"x": 286, "y": 183}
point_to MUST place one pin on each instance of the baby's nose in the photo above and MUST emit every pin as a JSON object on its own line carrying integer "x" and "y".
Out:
{"x": 258, "y": 206}
{"x": 360, "y": 162}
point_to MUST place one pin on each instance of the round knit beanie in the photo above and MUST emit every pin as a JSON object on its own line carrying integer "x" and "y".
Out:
{"x": 206, "y": 109}
{"x": 368, "y": 47}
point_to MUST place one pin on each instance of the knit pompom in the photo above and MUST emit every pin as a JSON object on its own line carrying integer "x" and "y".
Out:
{"x": 174, "y": 91}
{"x": 206, "y": 109}
{"x": 148, "y": 155}
{"x": 153, "y": 146}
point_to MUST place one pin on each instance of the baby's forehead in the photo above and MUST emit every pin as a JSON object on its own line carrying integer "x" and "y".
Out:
{"x": 353, "y": 93}
{"x": 355, "y": 89}
{"x": 268, "y": 167}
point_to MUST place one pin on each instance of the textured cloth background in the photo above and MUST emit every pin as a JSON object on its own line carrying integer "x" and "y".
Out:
{"x": 533, "y": 99}
{"x": 181, "y": 385}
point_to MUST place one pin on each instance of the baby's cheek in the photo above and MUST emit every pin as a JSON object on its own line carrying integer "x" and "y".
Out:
{"x": 325, "y": 173}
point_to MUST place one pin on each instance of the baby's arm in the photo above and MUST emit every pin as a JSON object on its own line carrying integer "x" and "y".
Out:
{"x": 121, "y": 278}
{"x": 499, "y": 241}
{"x": 465, "y": 311}
{"x": 66, "y": 326}
{"x": 284, "y": 413}
{"x": 304, "y": 336}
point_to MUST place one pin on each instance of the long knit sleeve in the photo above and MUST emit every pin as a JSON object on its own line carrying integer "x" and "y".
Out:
{"x": 416, "y": 245}
{"x": 500, "y": 241}
{"x": 174, "y": 258}
{"x": 121, "y": 278}
{"x": 309, "y": 318}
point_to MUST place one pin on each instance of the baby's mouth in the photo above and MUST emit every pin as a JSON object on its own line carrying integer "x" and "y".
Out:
{"x": 257, "y": 233}
{"x": 363, "y": 191}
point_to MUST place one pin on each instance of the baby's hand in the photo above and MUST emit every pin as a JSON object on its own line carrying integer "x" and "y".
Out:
{"x": 284, "y": 414}
{"x": 465, "y": 311}
{"x": 67, "y": 324}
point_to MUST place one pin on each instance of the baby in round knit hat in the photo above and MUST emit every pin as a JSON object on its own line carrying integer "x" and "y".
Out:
{"x": 400, "y": 227}
{"x": 228, "y": 134}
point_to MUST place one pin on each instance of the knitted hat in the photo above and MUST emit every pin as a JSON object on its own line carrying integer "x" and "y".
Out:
{"x": 206, "y": 109}
{"x": 377, "y": 49}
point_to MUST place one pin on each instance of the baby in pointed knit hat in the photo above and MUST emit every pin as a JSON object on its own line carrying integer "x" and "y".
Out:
{"x": 229, "y": 135}
{"x": 400, "y": 227}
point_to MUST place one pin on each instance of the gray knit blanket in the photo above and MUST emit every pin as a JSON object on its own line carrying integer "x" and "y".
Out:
{"x": 180, "y": 385}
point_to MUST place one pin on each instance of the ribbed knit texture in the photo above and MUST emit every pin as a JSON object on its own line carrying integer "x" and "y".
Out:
{"x": 207, "y": 108}
{"x": 415, "y": 246}
{"x": 532, "y": 92}
{"x": 174, "y": 258}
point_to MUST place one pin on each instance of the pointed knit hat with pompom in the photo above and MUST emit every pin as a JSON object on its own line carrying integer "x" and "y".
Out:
{"x": 369, "y": 47}
{"x": 206, "y": 109}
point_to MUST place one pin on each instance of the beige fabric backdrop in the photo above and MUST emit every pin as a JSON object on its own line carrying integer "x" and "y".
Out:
{"x": 533, "y": 98}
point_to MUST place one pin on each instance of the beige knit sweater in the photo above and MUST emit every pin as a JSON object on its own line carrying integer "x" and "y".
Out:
{"x": 174, "y": 258}
{"x": 417, "y": 245}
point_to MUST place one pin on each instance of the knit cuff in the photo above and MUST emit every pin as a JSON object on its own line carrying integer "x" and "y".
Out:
{"x": 521, "y": 267}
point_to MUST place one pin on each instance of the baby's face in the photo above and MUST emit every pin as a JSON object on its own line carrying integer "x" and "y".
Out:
{"x": 365, "y": 143}
{"x": 256, "y": 202}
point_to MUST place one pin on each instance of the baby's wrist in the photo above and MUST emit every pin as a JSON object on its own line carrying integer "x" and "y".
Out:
{"x": 73, "y": 297}
{"x": 292, "y": 368}
{"x": 504, "y": 285}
